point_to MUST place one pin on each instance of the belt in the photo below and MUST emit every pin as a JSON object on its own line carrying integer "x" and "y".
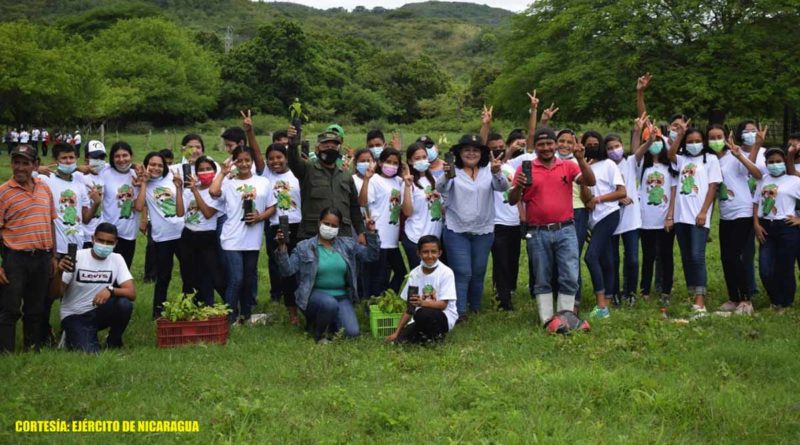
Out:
{"x": 30, "y": 252}
{"x": 552, "y": 227}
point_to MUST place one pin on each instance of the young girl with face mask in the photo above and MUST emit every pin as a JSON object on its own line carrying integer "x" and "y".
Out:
{"x": 775, "y": 201}
{"x": 382, "y": 194}
{"x": 422, "y": 204}
{"x": 162, "y": 193}
{"x": 201, "y": 266}
{"x": 700, "y": 175}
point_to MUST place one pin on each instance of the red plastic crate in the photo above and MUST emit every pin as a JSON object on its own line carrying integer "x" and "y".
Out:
{"x": 175, "y": 333}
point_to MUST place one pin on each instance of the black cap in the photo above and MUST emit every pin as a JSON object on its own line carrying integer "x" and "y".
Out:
{"x": 544, "y": 133}
{"x": 426, "y": 140}
{"x": 773, "y": 150}
{"x": 470, "y": 140}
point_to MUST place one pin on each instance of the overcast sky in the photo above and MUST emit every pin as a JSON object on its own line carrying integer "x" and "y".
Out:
{"x": 511, "y": 5}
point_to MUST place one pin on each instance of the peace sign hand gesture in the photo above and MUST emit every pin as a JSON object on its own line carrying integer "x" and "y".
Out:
{"x": 578, "y": 150}
{"x": 640, "y": 122}
{"x": 761, "y": 136}
{"x": 534, "y": 99}
{"x": 643, "y": 81}
{"x": 247, "y": 120}
{"x": 549, "y": 113}
{"x": 486, "y": 115}
{"x": 370, "y": 170}
{"x": 735, "y": 149}
{"x": 496, "y": 163}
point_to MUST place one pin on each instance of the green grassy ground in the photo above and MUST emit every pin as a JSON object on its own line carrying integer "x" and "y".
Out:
{"x": 497, "y": 379}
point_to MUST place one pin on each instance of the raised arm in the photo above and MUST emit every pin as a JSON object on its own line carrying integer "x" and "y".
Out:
{"x": 486, "y": 123}
{"x": 408, "y": 192}
{"x": 532, "y": 120}
{"x": 548, "y": 114}
{"x": 790, "y": 157}
{"x": 180, "y": 208}
{"x": 363, "y": 194}
{"x": 247, "y": 123}
{"x": 672, "y": 154}
{"x": 587, "y": 174}
{"x": 641, "y": 85}
{"x": 637, "y": 148}
{"x": 215, "y": 190}
{"x": 297, "y": 164}
{"x": 204, "y": 208}
{"x": 736, "y": 152}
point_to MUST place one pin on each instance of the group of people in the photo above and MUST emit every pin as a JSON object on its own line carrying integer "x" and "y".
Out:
{"x": 39, "y": 138}
{"x": 335, "y": 222}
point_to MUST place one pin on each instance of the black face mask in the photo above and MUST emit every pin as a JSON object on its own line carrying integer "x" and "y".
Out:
{"x": 329, "y": 156}
{"x": 498, "y": 154}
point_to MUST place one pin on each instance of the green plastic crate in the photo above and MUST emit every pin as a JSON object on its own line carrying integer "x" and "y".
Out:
{"x": 382, "y": 324}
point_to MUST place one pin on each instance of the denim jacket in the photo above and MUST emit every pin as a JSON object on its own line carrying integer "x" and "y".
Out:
{"x": 303, "y": 263}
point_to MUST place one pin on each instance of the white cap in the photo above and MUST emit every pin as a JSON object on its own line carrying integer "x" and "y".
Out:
{"x": 96, "y": 147}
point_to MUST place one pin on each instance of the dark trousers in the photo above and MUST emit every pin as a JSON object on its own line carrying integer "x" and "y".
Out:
{"x": 410, "y": 248}
{"x": 282, "y": 286}
{"x": 505, "y": 262}
{"x": 165, "y": 253}
{"x": 150, "y": 256}
{"x": 599, "y": 258}
{"x": 126, "y": 248}
{"x": 44, "y": 148}
{"x": 201, "y": 266}
{"x": 28, "y": 284}
{"x": 749, "y": 256}
{"x": 657, "y": 247}
{"x": 429, "y": 325}
{"x": 776, "y": 258}
{"x": 386, "y": 273}
{"x": 82, "y": 329}
{"x": 630, "y": 267}
{"x": 733, "y": 237}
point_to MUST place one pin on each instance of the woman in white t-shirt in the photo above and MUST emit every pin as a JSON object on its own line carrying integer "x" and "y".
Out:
{"x": 657, "y": 204}
{"x": 735, "y": 218}
{"x": 382, "y": 193}
{"x": 630, "y": 221}
{"x": 119, "y": 194}
{"x": 286, "y": 192}
{"x": 361, "y": 160}
{"x": 700, "y": 175}
{"x": 775, "y": 201}
{"x": 433, "y": 305}
{"x": 162, "y": 193}
{"x": 603, "y": 221}
{"x": 242, "y": 232}
{"x": 422, "y": 204}
{"x": 201, "y": 265}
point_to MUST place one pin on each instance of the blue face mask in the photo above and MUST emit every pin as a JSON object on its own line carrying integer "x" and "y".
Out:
{"x": 694, "y": 149}
{"x": 777, "y": 169}
{"x": 749, "y": 137}
{"x": 421, "y": 166}
{"x": 102, "y": 250}
{"x": 67, "y": 169}
{"x": 656, "y": 147}
{"x": 433, "y": 153}
{"x": 673, "y": 135}
{"x": 376, "y": 151}
{"x": 362, "y": 167}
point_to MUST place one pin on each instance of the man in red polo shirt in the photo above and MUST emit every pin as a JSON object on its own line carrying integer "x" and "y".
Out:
{"x": 552, "y": 243}
{"x": 26, "y": 228}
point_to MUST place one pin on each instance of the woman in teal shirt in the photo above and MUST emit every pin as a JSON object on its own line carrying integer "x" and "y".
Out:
{"x": 325, "y": 268}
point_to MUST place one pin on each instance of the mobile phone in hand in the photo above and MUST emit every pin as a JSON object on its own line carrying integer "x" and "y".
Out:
{"x": 527, "y": 170}
{"x": 187, "y": 174}
{"x": 283, "y": 224}
{"x": 450, "y": 158}
{"x": 247, "y": 206}
{"x": 72, "y": 253}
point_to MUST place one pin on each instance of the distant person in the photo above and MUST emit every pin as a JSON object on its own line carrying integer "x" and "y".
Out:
{"x": 27, "y": 212}
{"x": 24, "y": 136}
{"x": 324, "y": 266}
{"x": 98, "y": 293}
{"x": 45, "y": 136}
{"x": 433, "y": 306}
{"x": 76, "y": 141}
{"x": 35, "y": 135}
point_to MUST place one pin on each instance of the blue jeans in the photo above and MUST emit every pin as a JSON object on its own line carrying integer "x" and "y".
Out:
{"x": 242, "y": 276}
{"x": 554, "y": 252}
{"x": 327, "y": 314}
{"x": 599, "y": 258}
{"x": 630, "y": 269}
{"x": 692, "y": 244}
{"x": 81, "y": 329}
{"x": 468, "y": 255}
{"x": 776, "y": 258}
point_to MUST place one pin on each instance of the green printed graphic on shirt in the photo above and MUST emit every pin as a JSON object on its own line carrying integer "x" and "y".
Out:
{"x": 688, "y": 185}
{"x": 724, "y": 192}
{"x": 125, "y": 201}
{"x": 428, "y": 292}
{"x": 247, "y": 191}
{"x": 434, "y": 203}
{"x": 193, "y": 213}
{"x": 166, "y": 201}
{"x": 655, "y": 189}
{"x": 68, "y": 207}
{"x": 283, "y": 195}
{"x": 752, "y": 183}
{"x": 394, "y": 207}
{"x": 99, "y": 211}
{"x": 769, "y": 194}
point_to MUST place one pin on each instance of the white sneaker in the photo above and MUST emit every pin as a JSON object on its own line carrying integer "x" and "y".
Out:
{"x": 728, "y": 306}
{"x": 698, "y": 312}
{"x": 63, "y": 342}
{"x": 744, "y": 308}
{"x": 257, "y": 319}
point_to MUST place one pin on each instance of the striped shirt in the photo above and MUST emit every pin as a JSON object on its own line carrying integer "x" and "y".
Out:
{"x": 26, "y": 218}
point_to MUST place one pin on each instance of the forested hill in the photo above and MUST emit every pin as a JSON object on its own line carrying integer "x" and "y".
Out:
{"x": 456, "y": 35}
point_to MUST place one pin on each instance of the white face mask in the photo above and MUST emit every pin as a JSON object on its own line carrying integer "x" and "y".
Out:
{"x": 97, "y": 165}
{"x": 327, "y": 232}
{"x": 430, "y": 266}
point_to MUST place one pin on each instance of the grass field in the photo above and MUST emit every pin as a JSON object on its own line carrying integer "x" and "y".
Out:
{"x": 497, "y": 379}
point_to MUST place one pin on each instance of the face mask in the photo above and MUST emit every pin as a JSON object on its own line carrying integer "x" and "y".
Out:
{"x": 777, "y": 169}
{"x": 694, "y": 149}
{"x": 421, "y": 166}
{"x": 749, "y": 137}
{"x": 362, "y": 167}
{"x": 124, "y": 168}
{"x": 656, "y": 147}
{"x": 498, "y": 154}
{"x": 717, "y": 145}
{"x": 616, "y": 154}
{"x": 327, "y": 232}
{"x": 564, "y": 156}
{"x": 102, "y": 250}
{"x": 389, "y": 170}
{"x": 97, "y": 164}
{"x": 430, "y": 266}
{"x": 376, "y": 151}
{"x": 329, "y": 156}
{"x": 673, "y": 135}
{"x": 35, "y": 174}
{"x": 67, "y": 169}
{"x": 433, "y": 153}
{"x": 206, "y": 178}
